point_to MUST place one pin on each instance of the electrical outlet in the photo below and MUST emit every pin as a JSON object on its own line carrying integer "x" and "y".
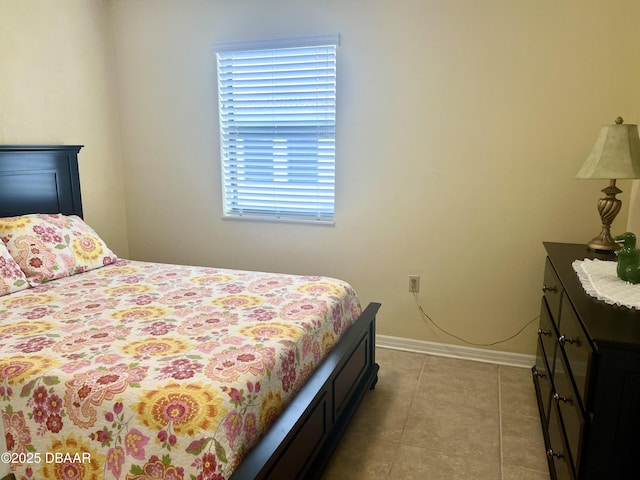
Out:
{"x": 414, "y": 283}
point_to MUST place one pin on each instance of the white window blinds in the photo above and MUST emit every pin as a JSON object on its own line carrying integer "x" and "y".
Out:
{"x": 277, "y": 111}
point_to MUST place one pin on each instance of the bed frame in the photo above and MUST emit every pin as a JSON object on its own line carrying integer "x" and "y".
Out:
{"x": 45, "y": 179}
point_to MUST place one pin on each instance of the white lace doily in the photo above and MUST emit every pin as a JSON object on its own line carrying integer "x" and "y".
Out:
{"x": 600, "y": 280}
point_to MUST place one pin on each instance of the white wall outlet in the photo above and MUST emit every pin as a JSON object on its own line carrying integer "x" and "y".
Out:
{"x": 414, "y": 283}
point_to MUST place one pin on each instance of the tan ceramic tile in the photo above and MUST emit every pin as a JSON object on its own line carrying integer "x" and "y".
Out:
{"x": 359, "y": 458}
{"x": 437, "y": 362}
{"x": 523, "y": 443}
{"x": 399, "y": 371}
{"x": 514, "y": 473}
{"x": 453, "y": 428}
{"x": 517, "y": 393}
{"x": 415, "y": 463}
{"x": 384, "y": 410}
{"x": 400, "y": 359}
{"x": 381, "y": 415}
{"x": 460, "y": 382}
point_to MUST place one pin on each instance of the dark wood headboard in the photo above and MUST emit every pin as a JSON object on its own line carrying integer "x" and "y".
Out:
{"x": 39, "y": 179}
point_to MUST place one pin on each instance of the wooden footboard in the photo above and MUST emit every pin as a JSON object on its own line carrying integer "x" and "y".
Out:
{"x": 300, "y": 442}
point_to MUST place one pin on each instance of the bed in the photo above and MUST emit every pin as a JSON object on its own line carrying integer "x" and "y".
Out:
{"x": 125, "y": 369}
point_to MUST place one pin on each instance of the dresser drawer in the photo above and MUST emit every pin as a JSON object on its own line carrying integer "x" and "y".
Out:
{"x": 547, "y": 334}
{"x": 557, "y": 454}
{"x": 552, "y": 290}
{"x": 542, "y": 383}
{"x": 574, "y": 345}
{"x": 566, "y": 399}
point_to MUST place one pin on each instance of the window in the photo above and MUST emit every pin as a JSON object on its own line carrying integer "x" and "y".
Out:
{"x": 277, "y": 107}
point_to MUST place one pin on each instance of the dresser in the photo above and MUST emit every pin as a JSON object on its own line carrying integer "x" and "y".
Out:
{"x": 586, "y": 375}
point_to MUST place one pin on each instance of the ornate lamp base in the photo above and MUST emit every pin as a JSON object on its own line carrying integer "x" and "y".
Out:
{"x": 608, "y": 207}
{"x": 603, "y": 242}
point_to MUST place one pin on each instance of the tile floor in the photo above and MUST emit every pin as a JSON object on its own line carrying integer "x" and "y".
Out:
{"x": 436, "y": 418}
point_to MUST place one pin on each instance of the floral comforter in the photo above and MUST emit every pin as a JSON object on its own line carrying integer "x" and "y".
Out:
{"x": 150, "y": 371}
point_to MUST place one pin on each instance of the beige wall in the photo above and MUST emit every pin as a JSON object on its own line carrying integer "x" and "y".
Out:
{"x": 57, "y": 86}
{"x": 461, "y": 126}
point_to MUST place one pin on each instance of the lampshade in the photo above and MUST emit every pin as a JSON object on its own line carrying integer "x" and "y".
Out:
{"x": 616, "y": 153}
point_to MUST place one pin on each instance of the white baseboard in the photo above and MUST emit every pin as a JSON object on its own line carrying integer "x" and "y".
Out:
{"x": 456, "y": 351}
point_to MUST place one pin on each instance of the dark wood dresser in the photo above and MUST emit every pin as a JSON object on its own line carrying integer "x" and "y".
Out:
{"x": 587, "y": 375}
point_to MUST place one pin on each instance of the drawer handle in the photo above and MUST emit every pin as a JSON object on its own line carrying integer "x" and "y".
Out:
{"x": 558, "y": 398}
{"x": 551, "y": 454}
{"x": 546, "y": 289}
{"x": 539, "y": 374}
{"x": 543, "y": 332}
{"x": 562, "y": 340}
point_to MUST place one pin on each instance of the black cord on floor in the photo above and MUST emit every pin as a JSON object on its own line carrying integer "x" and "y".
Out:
{"x": 426, "y": 316}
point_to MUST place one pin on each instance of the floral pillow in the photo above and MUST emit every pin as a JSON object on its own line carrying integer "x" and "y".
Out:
{"x": 47, "y": 247}
{"x": 11, "y": 277}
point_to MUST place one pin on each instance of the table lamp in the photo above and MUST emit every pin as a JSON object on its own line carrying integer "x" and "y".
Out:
{"x": 616, "y": 154}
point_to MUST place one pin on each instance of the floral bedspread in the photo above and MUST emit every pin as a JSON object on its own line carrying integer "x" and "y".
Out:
{"x": 150, "y": 371}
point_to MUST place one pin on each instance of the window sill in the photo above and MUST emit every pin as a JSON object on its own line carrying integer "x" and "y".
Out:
{"x": 268, "y": 219}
